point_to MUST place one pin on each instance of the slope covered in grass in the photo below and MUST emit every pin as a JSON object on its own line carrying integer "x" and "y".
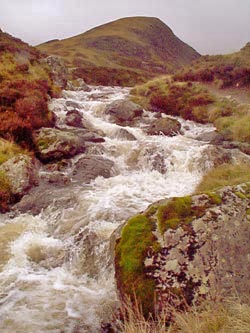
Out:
{"x": 123, "y": 52}
{"x": 230, "y": 70}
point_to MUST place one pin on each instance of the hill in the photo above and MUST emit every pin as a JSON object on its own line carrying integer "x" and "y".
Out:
{"x": 125, "y": 51}
{"x": 225, "y": 70}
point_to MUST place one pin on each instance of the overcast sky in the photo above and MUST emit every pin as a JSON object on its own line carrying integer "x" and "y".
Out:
{"x": 210, "y": 26}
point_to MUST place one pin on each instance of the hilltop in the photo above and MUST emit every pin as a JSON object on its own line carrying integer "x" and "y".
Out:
{"x": 125, "y": 51}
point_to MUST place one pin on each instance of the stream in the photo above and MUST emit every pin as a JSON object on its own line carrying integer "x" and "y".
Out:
{"x": 56, "y": 270}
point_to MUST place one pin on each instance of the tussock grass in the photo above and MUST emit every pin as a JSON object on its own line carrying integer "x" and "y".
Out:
{"x": 230, "y": 316}
{"x": 224, "y": 175}
{"x": 9, "y": 149}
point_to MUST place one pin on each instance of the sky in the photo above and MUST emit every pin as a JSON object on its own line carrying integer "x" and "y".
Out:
{"x": 209, "y": 26}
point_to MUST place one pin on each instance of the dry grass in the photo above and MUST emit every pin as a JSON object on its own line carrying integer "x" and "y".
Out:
{"x": 231, "y": 316}
{"x": 224, "y": 175}
{"x": 9, "y": 149}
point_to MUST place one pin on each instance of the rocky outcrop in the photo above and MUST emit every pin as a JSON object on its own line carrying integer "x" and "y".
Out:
{"x": 54, "y": 144}
{"x": 186, "y": 249}
{"x": 123, "y": 111}
{"x": 58, "y": 70}
{"x": 21, "y": 172}
{"x": 166, "y": 126}
{"x": 77, "y": 85}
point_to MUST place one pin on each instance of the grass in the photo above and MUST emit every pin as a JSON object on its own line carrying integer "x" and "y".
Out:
{"x": 228, "y": 316}
{"x": 192, "y": 101}
{"x": 224, "y": 175}
{"x": 9, "y": 149}
{"x": 231, "y": 70}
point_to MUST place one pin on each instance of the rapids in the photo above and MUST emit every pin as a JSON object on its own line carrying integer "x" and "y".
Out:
{"x": 56, "y": 272}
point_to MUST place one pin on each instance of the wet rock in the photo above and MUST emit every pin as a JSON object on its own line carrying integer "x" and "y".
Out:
{"x": 54, "y": 144}
{"x": 166, "y": 126}
{"x": 211, "y": 137}
{"x": 45, "y": 195}
{"x": 123, "y": 111}
{"x": 122, "y": 133}
{"x": 74, "y": 118}
{"x": 215, "y": 156}
{"x": 22, "y": 173}
{"x": 58, "y": 69}
{"x": 72, "y": 105}
{"x": 192, "y": 248}
{"x": 89, "y": 167}
{"x": 77, "y": 85}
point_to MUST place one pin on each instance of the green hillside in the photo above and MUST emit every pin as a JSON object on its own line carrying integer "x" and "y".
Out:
{"x": 125, "y": 51}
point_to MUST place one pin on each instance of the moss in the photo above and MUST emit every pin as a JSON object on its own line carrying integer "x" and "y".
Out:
{"x": 176, "y": 211}
{"x": 240, "y": 195}
{"x": 214, "y": 198}
{"x": 131, "y": 251}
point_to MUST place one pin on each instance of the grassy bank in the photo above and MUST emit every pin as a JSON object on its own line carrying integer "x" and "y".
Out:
{"x": 194, "y": 102}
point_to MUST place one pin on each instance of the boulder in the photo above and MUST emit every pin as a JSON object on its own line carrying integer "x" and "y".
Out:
{"x": 166, "y": 126}
{"x": 74, "y": 118}
{"x": 183, "y": 250}
{"x": 89, "y": 167}
{"x": 55, "y": 144}
{"x": 122, "y": 133}
{"x": 212, "y": 137}
{"x": 78, "y": 85}
{"x": 123, "y": 111}
{"x": 58, "y": 69}
{"x": 22, "y": 173}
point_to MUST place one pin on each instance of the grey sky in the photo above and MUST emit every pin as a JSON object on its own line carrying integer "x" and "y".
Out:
{"x": 210, "y": 26}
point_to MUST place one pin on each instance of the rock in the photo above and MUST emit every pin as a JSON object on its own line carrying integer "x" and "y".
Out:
{"x": 123, "y": 111}
{"x": 22, "y": 173}
{"x": 58, "y": 69}
{"x": 77, "y": 85}
{"x": 122, "y": 133}
{"x": 54, "y": 144}
{"x": 39, "y": 198}
{"x": 214, "y": 156}
{"x": 72, "y": 105}
{"x": 191, "y": 248}
{"x": 166, "y": 126}
{"x": 212, "y": 137}
{"x": 74, "y": 118}
{"x": 89, "y": 167}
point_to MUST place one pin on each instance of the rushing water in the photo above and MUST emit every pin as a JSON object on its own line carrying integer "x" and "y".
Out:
{"x": 56, "y": 268}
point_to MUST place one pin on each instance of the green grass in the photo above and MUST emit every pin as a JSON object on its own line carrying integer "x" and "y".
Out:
{"x": 224, "y": 175}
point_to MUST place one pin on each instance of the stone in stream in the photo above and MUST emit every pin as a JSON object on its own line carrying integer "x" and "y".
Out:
{"x": 21, "y": 172}
{"x": 166, "y": 126}
{"x": 191, "y": 248}
{"x": 74, "y": 118}
{"x": 123, "y": 111}
{"x": 54, "y": 144}
{"x": 77, "y": 85}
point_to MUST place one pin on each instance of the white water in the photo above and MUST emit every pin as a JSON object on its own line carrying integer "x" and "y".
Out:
{"x": 57, "y": 275}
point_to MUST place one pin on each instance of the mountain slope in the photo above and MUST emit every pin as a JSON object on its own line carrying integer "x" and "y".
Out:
{"x": 141, "y": 46}
{"x": 229, "y": 70}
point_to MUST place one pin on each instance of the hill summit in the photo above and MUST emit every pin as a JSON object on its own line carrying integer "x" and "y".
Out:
{"x": 133, "y": 47}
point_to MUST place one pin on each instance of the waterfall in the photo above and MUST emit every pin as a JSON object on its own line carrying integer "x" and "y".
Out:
{"x": 56, "y": 271}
